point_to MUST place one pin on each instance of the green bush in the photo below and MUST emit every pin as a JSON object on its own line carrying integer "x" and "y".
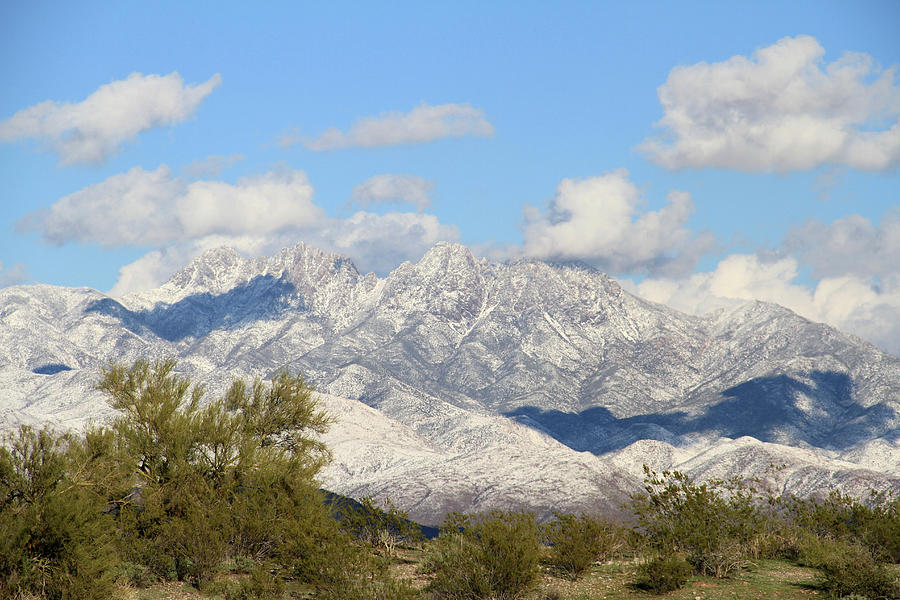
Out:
{"x": 384, "y": 527}
{"x": 577, "y": 542}
{"x": 663, "y": 574}
{"x": 495, "y": 555}
{"x": 258, "y": 585}
{"x": 849, "y": 568}
{"x": 55, "y": 537}
{"x": 874, "y": 523}
{"x": 136, "y": 575}
{"x": 232, "y": 476}
{"x": 350, "y": 572}
{"x": 713, "y": 523}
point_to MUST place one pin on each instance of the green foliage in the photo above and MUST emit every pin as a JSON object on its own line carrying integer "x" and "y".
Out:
{"x": 663, "y": 574}
{"x": 874, "y": 523}
{"x": 495, "y": 555}
{"x": 712, "y": 523}
{"x": 259, "y": 584}
{"x": 54, "y": 531}
{"x": 353, "y": 573}
{"x": 135, "y": 575}
{"x": 384, "y": 527}
{"x": 577, "y": 542}
{"x": 229, "y": 476}
{"x": 849, "y": 568}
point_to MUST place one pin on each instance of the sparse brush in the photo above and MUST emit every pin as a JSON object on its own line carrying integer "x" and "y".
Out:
{"x": 849, "y": 568}
{"x": 663, "y": 574}
{"x": 494, "y": 555}
{"x": 577, "y": 542}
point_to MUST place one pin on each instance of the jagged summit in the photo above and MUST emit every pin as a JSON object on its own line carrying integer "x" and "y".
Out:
{"x": 469, "y": 384}
{"x": 215, "y": 270}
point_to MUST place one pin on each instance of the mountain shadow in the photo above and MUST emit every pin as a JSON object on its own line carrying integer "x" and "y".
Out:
{"x": 51, "y": 369}
{"x": 263, "y": 297}
{"x": 780, "y": 409}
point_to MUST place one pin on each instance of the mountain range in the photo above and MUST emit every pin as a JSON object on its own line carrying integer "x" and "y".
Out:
{"x": 458, "y": 383}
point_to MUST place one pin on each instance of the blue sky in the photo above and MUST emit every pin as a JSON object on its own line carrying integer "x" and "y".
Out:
{"x": 700, "y": 152}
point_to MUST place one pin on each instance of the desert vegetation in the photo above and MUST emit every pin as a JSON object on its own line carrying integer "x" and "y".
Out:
{"x": 183, "y": 496}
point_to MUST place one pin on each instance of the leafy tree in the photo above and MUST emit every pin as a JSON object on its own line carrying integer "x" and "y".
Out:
{"x": 231, "y": 475}
{"x": 55, "y": 537}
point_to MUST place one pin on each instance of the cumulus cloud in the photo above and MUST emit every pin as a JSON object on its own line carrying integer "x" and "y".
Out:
{"x": 128, "y": 208}
{"x": 94, "y": 129}
{"x": 255, "y": 205}
{"x": 851, "y": 245}
{"x": 424, "y": 123}
{"x": 179, "y": 219}
{"x": 388, "y": 188}
{"x": 13, "y": 275}
{"x": 381, "y": 242}
{"x": 783, "y": 109}
{"x": 211, "y": 165}
{"x": 154, "y": 208}
{"x": 851, "y": 303}
{"x": 598, "y": 220}
{"x": 374, "y": 242}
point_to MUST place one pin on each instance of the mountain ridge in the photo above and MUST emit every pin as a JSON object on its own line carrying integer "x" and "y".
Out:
{"x": 539, "y": 381}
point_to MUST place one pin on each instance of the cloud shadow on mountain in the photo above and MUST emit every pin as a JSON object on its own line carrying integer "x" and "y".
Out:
{"x": 780, "y": 409}
{"x": 263, "y": 297}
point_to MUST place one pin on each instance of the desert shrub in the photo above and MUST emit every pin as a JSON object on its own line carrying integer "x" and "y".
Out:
{"x": 662, "y": 574}
{"x": 229, "y": 476}
{"x": 577, "y": 542}
{"x": 383, "y": 527}
{"x": 712, "y": 523}
{"x": 136, "y": 575}
{"x": 351, "y": 572}
{"x": 55, "y": 537}
{"x": 243, "y": 565}
{"x": 874, "y": 523}
{"x": 259, "y": 584}
{"x": 850, "y": 568}
{"x": 494, "y": 555}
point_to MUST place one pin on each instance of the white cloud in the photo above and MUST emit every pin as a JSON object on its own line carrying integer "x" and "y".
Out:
{"x": 13, "y": 275}
{"x": 151, "y": 270}
{"x": 258, "y": 215}
{"x": 422, "y": 124}
{"x": 374, "y": 242}
{"x": 129, "y": 208}
{"x": 94, "y": 129}
{"x": 381, "y": 242}
{"x": 851, "y": 245}
{"x": 153, "y": 208}
{"x": 781, "y": 110}
{"x": 388, "y": 188}
{"x": 255, "y": 205}
{"x": 289, "y": 138}
{"x": 211, "y": 165}
{"x": 597, "y": 220}
{"x": 851, "y": 303}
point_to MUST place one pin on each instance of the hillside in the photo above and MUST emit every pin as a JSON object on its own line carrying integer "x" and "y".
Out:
{"x": 463, "y": 384}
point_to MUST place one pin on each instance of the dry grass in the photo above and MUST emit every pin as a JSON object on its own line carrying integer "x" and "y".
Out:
{"x": 611, "y": 581}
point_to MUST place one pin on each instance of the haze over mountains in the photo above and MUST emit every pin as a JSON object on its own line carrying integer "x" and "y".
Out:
{"x": 463, "y": 384}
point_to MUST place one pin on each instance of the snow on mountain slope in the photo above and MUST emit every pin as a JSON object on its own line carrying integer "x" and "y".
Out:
{"x": 467, "y": 384}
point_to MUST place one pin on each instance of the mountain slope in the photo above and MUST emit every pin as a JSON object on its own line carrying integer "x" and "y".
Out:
{"x": 467, "y": 384}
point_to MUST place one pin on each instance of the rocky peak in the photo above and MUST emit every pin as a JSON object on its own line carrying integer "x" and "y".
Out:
{"x": 448, "y": 281}
{"x": 216, "y": 270}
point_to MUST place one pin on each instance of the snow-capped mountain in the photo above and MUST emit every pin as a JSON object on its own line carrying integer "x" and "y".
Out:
{"x": 463, "y": 384}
